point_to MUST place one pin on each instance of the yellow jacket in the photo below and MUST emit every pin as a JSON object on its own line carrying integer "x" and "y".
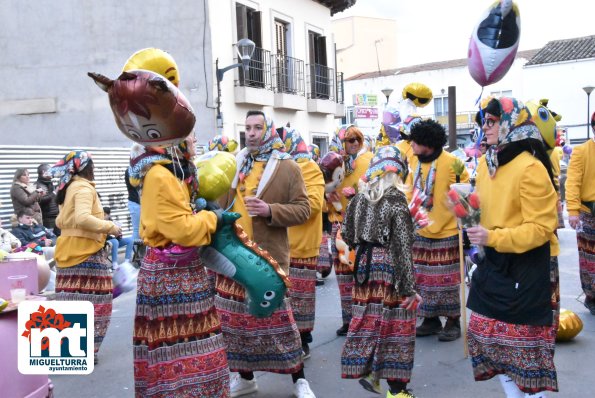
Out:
{"x": 443, "y": 222}
{"x": 555, "y": 159}
{"x": 406, "y": 150}
{"x": 518, "y": 206}
{"x": 361, "y": 165}
{"x": 580, "y": 180}
{"x": 83, "y": 229}
{"x": 304, "y": 240}
{"x": 166, "y": 216}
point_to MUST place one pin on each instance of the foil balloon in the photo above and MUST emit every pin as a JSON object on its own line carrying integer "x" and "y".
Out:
{"x": 494, "y": 42}
{"x": 545, "y": 120}
{"x": 233, "y": 255}
{"x": 216, "y": 171}
{"x": 418, "y": 93}
{"x": 570, "y": 325}
{"x": 391, "y": 126}
{"x": 148, "y": 108}
{"x": 155, "y": 60}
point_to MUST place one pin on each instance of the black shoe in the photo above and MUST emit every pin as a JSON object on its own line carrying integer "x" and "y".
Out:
{"x": 305, "y": 351}
{"x": 342, "y": 331}
{"x": 326, "y": 272}
{"x": 451, "y": 331}
{"x": 590, "y": 304}
{"x": 319, "y": 282}
{"x": 429, "y": 327}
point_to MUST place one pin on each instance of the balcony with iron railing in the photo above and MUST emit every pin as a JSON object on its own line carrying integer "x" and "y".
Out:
{"x": 340, "y": 96}
{"x": 289, "y": 82}
{"x": 321, "y": 94}
{"x": 255, "y": 87}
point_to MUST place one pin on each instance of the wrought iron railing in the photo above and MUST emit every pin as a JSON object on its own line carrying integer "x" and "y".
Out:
{"x": 322, "y": 82}
{"x": 259, "y": 74}
{"x": 288, "y": 74}
{"x": 340, "y": 88}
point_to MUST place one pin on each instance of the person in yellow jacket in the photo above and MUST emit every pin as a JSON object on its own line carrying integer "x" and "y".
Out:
{"x": 436, "y": 247}
{"x": 304, "y": 239}
{"x": 176, "y": 324}
{"x": 83, "y": 269}
{"x": 514, "y": 290}
{"x": 580, "y": 202}
{"x": 349, "y": 143}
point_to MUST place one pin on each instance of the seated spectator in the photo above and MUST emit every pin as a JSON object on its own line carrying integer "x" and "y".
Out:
{"x": 24, "y": 195}
{"x": 27, "y": 231}
{"x": 118, "y": 241}
{"x": 47, "y": 202}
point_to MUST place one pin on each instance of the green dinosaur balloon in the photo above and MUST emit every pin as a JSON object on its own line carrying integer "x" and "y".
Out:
{"x": 233, "y": 255}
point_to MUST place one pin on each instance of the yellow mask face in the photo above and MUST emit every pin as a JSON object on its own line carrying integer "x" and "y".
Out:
{"x": 545, "y": 122}
{"x": 154, "y": 60}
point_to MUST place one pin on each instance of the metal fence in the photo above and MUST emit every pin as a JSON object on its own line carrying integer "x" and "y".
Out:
{"x": 259, "y": 73}
{"x": 288, "y": 74}
{"x": 110, "y": 165}
{"x": 322, "y": 82}
{"x": 340, "y": 88}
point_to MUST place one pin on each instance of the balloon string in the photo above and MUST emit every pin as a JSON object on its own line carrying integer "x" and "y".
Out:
{"x": 480, "y": 135}
{"x": 231, "y": 205}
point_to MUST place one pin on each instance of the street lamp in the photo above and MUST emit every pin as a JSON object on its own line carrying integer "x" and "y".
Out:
{"x": 387, "y": 92}
{"x": 588, "y": 90}
{"x": 245, "y": 49}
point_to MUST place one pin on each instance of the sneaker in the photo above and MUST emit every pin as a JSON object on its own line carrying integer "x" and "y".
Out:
{"x": 241, "y": 386}
{"x": 428, "y": 327}
{"x": 590, "y": 304}
{"x": 402, "y": 394}
{"x": 342, "y": 331}
{"x": 370, "y": 384}
{"x": 305, "y": 351}
{"x": 301, "y": 389}
{"x": 319, "y": 282}
{"x": 451, "y": 331}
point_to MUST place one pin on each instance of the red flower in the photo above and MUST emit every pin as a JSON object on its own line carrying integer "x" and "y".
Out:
{"x": 453, "y": 195}
{"x": 473, "y": 200}
{"x": 460, "y": 211}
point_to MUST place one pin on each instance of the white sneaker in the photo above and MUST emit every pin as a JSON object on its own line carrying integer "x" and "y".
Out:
{"x": 241, "y": 386}
{"x": 301, "y": 389}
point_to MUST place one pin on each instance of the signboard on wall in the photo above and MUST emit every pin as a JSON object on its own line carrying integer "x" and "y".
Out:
{"x": 365, "y": 99}
{"x": 366, "y": 112}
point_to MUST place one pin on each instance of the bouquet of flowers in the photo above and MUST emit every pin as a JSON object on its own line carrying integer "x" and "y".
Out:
{"x": 419, "y": 214}
{"x": 465, "y": 205}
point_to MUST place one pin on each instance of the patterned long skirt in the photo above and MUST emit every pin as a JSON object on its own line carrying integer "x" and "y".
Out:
{"x": 270, "y": 344}
{"x": 524, "y": 353}
{"x": 302, "y": 273}
{"x": 381, "y": 337}
{"x": 324, "y": 256}
{"x": 437, "y": 276}
{"x": 344, "y": 279}
{"x": 178, "y": 345}
{"x": 91, "y": 281}
{"x": 586, "y": 254}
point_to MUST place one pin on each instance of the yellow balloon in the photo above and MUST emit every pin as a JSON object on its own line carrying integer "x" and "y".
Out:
{"x": 570, "y": 325}
{"x": 419, "y": 93}
{"x": 154, "y": 60}
{"x": 545, "y": 121}
{"x": 216, "y": 171}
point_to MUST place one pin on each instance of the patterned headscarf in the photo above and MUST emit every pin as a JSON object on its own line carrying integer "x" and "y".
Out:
{"x": 370, "y": 143}
{"x": 69, "y": 165}
{"x": 295, "y": 144}
{"x": 388, "y": 159}
{"x": 271, "y": 145}
{"x": 222, "y": 143}
{"x": 314, "y": 151}
{"x": 338, "y": 145}
{"x": 515, "y": 125}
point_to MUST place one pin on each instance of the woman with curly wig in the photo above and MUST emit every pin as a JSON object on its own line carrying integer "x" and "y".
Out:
{"x": 514, "y": 290}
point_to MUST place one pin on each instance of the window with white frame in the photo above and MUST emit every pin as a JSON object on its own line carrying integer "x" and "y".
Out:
{"x": 441, "y": 106}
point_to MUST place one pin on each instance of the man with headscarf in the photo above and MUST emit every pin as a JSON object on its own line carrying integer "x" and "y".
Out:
{"x": 268, "y": 191}
{"x": 349, "y": 143}
{"x": 436, "y": 247}
{"x": 304, "y": 240}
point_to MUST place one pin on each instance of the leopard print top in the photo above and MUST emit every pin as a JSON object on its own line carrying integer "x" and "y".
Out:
{"x": 388, "y": 223}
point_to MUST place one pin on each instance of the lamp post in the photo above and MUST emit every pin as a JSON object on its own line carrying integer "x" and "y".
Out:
{"x": 588, "y": 90}
{"x": 245, "y": 49}
{"x": 387, "y": 92}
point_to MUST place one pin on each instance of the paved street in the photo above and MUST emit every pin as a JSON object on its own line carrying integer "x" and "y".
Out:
{"x": 440, "y": 368}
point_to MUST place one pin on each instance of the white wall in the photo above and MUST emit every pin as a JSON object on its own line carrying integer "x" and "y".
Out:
{"x": 560, "y": 83}
{"x": 303, "y": 15}
{"x": 49, "y": 46}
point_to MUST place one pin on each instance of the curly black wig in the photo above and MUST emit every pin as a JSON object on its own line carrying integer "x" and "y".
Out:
{"x": 493, "y": 108}
{"x": 429, "y": 133}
